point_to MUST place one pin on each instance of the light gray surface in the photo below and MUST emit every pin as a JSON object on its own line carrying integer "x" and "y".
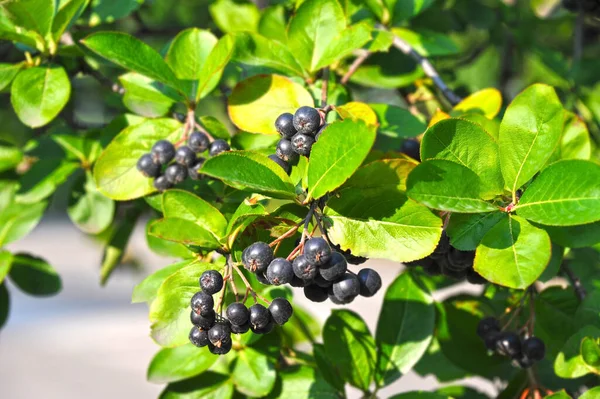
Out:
{"x": 90, "y": 341}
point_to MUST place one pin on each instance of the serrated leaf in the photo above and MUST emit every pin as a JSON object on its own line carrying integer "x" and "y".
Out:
{"x": 348, "y": 342}
{"x": 427, "y": 43}
{"x": 184, "y": 232}
{"x": 466, "y": 230}
{"x": 17, "y": 220}
{"x": 147, "y": 289}
{"x": 185, "y": 205}
{"x": 247, "y": 170}
{"x": 575, "y": 141}
{"x": 213, "y": 68}
{"x": 6, "y": 259}
{"x": 486, "y": 102}
{"x": 115, "y": 172}
{"x": 176, "y": 364}
{"x": 466, "y": 143}
{"x": 347, "y": 41}
{"x": 208, "y": 385}
{"x": 38, "y": 94}
{"x": 404, "y": 328}
{"x": 34, "y": 275}
{"x": 513, "y": 253}
{"x": 529, "y": 132}
{"x": 8, "y": 73}
{"x": 253, "y": 373}
{"x": 566, "y": 193}
{"x": 385, "y": 173}
{"x": 255, "y": 103}
{"x": 36, "y": 15}
{"x": 145, "y": 96}
{"x": 447, "y": 186}
{"x": 569, "y": 362}
{"x": 357, "y": 111}
{"x": 341, "y": 149}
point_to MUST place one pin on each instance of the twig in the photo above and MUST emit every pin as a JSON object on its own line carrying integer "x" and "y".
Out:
{"x": 320, "y": 226}
{"x": 285, "y": 235}
{"x": 324, "y": 87}
{"x": 203, "y": 130}
{"x": 248, "y": 286}
{"x": 575, "y": 282}
{"x": 355, "y": 65}
{"x": 222, "y": 294}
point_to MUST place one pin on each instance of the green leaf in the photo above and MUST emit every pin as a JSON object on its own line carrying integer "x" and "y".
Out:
{"x": 419, "y": 394}
{"x": 104, "y": 11}
{"x": 300, "y": 382}
{"x": 255, "y": 50}
{"x": 115, "y": 171}
{"x": 115, "y": 248}
{"x": 427, "y": 43}
{"x": 8, "y": 73}
{"x": 584, "y": 235}
{"x": 147, "y": 289}
{"x": 17, "y": 220}
{"x": 591, "y": 393}
{"x": 466, "y": 143}
{"x": 175, "y": 364}
{"x": 208, "y": 385}
{"x": 357, "y": 111}
{"x": 253, "y": 373}
{"x": 38, "y": 94}
{"x": 447, "y": 186}
{"x": 88, "y": 209}
{"x": 170, "y": 311}
{"x": 215, "y": 127}
{"x": 558, "y": 395}
{"x": 83, "y": 149}
{"x": 402, "y": 10}
{"x": 245, "y": 213}
{"x": 43, "y": 179}
{"x": 348, "y": 343}
{"x": 513, "y": 253}
{"x": 549, "y": 200}
{"x": 66, "y": 15}
{"x": 34, "y": 275}
{"x": 590, "y": 353}
{"x": 554, "y": 324}
{"x": 388, "y": 70}
{"x": 341, "y": 149}
{"x": 35, "y": 15}
{"x": 529, "y": 132}
{"x": 344, "y": 44}
{"x": 575, "y": 141}
{"x": 144, "y": 96}
{"x": 183, "y": 231}
{"x": 233, "y": 16}
{"x": 385, "y": 173}
{"x": 132, "y": 54}
{"x": 10, "y": 157}
{"x": 396, "y": 122}
{"x": 466, "y": 230}
{"x": 486, "y": 102}
{"x": 4, "y": 304}
{"x": 404, "y": 329}
{"x": 569, "y": 362}
{"x": 273, "y": 24}
{"x": 314, "y": 27}
{"x": 6, "y": 259}
{"x": 185, "y": 205}
{"x": 212, "y": 70}
{"x": 9, "y": 31}
{"x": 247, "y": 170}
{"x": 382, "y": 41}
{"x": 255, "y": 103}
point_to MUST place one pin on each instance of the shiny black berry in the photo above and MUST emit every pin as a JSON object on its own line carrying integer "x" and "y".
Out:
{"x": 491, "y": 340}
{"x": 263, "y": 330}
{"x": 241, "y": 329}
{"x": 534, "y": 348}
{"x": 260, "y": 276}
{"x": 194, "y": 170}
{"x": 279, "y": 271}
{"x": 203, "y": 322}
{"x": 487, "y": 325}
{"x": 412, "y": 148}
{"x": 259, "y": 316}
{"x": 161, "y": 183}
{"x": 198, "y": 142}
{"x": 346, "y": 288}
{"x": 147, "y": 166}
{"x": 370, "y": 282}
{"x": 237, "y": 313}
{"x": 257, "y": 257}
{"x": 335, "y": 268}
{"x": 299, "y": 283}
{"x": 317, "y": 251}
{"x": 219, "y": 334}
{"x": 199, "y": 337}
{"x": 281, "y": 310}
{"x": 176, "y": 173}
{"x": 285, "y": 125}
{"x": 315, "y": 293}
{"x": 286, "y": 152}
{"x": 460, "y": 260}
{"x": 283, "y": 164}
{"x": 509, "y": 344}
{"x": 303, "y": 269}
{"x": 302, "y": 143}
{"x": 307, "y": 120}
{"x": 220, "y": 350}
{"x": 202, "y": 303}
{"x": 211, "y": 282}
{"x": 185, "y": 156}
{"x": 321, "y": 282}
{"x": 217, "y": 147}
{"x": 163, "y": 152}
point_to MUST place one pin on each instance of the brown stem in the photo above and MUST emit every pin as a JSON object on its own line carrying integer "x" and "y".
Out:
{"x": 203, "y": 130}
{"x": 285, "y": 235}
{"x": 219, "y": 306}
{"x": 575, "y": 282}
{"x": 354, "y": 66}
{"x": 248, "y": 286}
{"x": 324, "y": 87}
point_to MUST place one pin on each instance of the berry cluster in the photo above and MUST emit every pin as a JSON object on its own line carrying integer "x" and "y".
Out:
{"x": 215, "y": 331}
{"x": 524, "y": 351}
{"x": 322, "y": 272}
{"x": 158, "y": 163}
{"x": 450, "y": 262}
{"x": 299, "y": 132}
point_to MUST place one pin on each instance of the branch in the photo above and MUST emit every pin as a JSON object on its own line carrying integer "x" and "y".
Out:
{"x": 575, "y": 282}
{"x": 428, "y": 68}
{"x": 324, "y": 87}
{"x": 355, "y": 65}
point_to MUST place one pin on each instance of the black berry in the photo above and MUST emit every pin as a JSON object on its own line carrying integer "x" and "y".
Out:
{"x": 321, "y": 282}
{"x": 303, "y": 269}
{"x": 161, "y": 183}
{"x": 524, "y": 362}
{"x": 263, "y": 330}
{"x": 220, "y": 350}
{"x": 281, "y": 310}
{"x": 241, "y": 329}
{"x": 257, "y": 257}
{"x": 315, "y": 293}
{"x": 219, "y": 334}
{"x": 460, "y": 260}
{"x": 433, "y": 268}
{"x": 298, "y": 282}
{"x": 442, "y": 247}
{"x": 284, "y": 165}
{"x": 203, "y": 322}
{"x": 335, "y": 268}
{"x": 302, "y": 143}
{"x": 279, "y": 271}
{"x": 237, "y": 314}
{"x": 211, "y": 282}
{"x": 176, "y": 173}
{"x": 194, "y": 170}
{"x": 260, "y": 276}
{"x": 317, "y": 251}
{"x": 286, "y": 152}
{"x": 202, "y": 303}
{"x": 475, "y": 278}
{"x": 147, "y": 166}
{"x": 259, "y": 316}
{"x": 163, "y": 152}
{"x": 346, "y": 288}
{"x": 534, "y": 348}
{"x": 487, "y": 325}
{"x": 451, "y": 272}
{"x": 307, "y": 120}
{"x": 370, "y": 282}
{"x": 185, "y": 156}
{"x": 491, "y": 340}
{"x": 218, "y": 146}
{"x": 509, "y": 344}
{"x": 198, "y": 142}
{"x": 285, "y": 125}
{"x": 411, "y": 147}
{"x": 199, "y": 337}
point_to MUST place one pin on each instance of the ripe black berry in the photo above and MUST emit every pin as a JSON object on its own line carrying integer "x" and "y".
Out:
{"x": 279, "y": 271}
{"x": 218, "y": 146}
{"x": 285, "y": 125}
{"x": 219, "y": 334}
{"x": 242, "y": 329}
{"x": 298, "y": 282}
{"x": 263, "y": 330}
{"x": 199, "y": 337}
{"x": 302, "y": 143}
{"x": 176, "y": 173}
{"x": 491, "y": 340}
{"x": 487, "y": 325}
{"x": 147, "y": 166}
{"x": 509, "y": 344}
{"x": 163, "y": 152}
{"x": 257, "y": 257}
{"x": 211, "y": 282}
{"x": 303, "y": 269}
{"x": 442, "y": 247}
{"x": 335, "y": 268}
{"x": 260, "y": 276}
{"x": 237, "y": 313}
{"x": 222, "y": 350}
{"x": 411, "y": 147}
{"x": 315, "y": 293}
{"x": 281, "y": 310}
{"x": 161, "y": 183}
{"x": 194, "y": 170}
{"x": 460, "y": 260}
{"x": 259, "y": 316}
{"x": 346, "y": 288}
{"x": 203, "y": 322}
{"x": 534, "y": 348}
{"x": 307, "y": 120}
{"x": 317, "y": 251}
{"x": 475, "y": 278}
{"x": 202, "y": 303}
{"x": 336, "y": 301}
{"x": 284, "y": 165}
{"x": 433, "y": 268}
{"x": 321, "y": 282}
{"x": 285, "y": 151}
{"x": 370, "y": 282}
{"x": 185, "y": 156}
{"x": 198, "y": 142}
{"x": 450, "y": 272}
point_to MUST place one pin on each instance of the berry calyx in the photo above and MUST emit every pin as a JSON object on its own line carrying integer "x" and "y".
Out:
{"x": 346, "y": 288}
{"x": 219, "y": 334}
{"x": 217, "y": 147}
{"x": 263, "y": 330}
{"x": 534, "y": 348}
{"x": 198, "y": 142}
{"x": 302, "y": 143}
{"x": 281, "y": 310}
{"x": 307, "y": 120}
{"x": 176, "y": 173}
{"x": 202, "y": 303}
{"x": 220, "y": 350}
{"x": 284, "y": 124}
{"x": 370, "y": 282}
{"x": 257, "y": 257}
{"x": 147, "y": 166}
{"x": 279, "y": 271}
{"x": 185, "y": 156}
{"x": 303, "y": 269}
{"x": 211, "y": 282}
{"x": 238, "y": 314}
{"x": 199, "y": 337}
{"x": 162, "y": 152}
{"x": 317, "y": 251}
{"x": 259, "y": 316}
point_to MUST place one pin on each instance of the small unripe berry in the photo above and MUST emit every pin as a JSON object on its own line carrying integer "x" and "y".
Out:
{"x": 147, "y": 166}
{"x": 163, "y": 152}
